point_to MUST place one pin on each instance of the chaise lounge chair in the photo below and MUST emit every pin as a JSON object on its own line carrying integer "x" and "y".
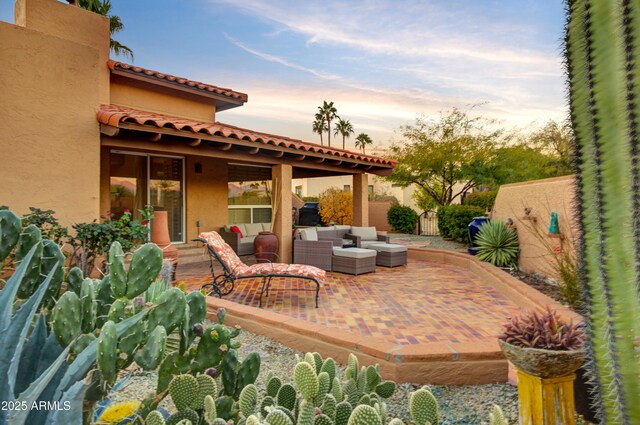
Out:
{"x": 234, "y": 269}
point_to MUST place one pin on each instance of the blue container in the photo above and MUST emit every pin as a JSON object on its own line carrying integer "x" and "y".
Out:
{"x": 474, "y": 228}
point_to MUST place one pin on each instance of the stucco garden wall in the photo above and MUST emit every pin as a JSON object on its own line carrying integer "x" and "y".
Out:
{"x": 542, "y": 197}
{"x": 50, "y": 91}
{"x": 378, "y": 215}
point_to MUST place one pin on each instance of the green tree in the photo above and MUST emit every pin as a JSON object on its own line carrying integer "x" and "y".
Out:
{"x": 556, "y": 140}
{"x": 103, "y": 7}
{"x": 344, "y": 128}
{"x": 329, "y": 112}
{"x": 532, "y": 164}
{"x": 362, "y": 141}
{"x": 319, "y": 126}
{"x": 438, "y": 155}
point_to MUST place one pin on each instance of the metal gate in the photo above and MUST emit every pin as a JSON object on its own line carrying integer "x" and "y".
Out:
{"x": 428, "y": 224}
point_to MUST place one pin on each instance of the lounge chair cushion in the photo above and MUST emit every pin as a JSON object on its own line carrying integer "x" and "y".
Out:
{"x": 238, "y": 268}
{"x": 281, "y": 268}
{"x": 365, "y": 233}
{"x": 224, "y": 251}
{"x": 309, "y": 234}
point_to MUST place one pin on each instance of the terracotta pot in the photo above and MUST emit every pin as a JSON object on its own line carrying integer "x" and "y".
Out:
{"x": 160, "y": 237}
{"x": 265, "y": 247}
{"x": 543, "y": 363}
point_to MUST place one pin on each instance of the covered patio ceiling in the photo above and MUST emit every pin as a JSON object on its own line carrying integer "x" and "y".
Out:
{"x": 124, "y": 127}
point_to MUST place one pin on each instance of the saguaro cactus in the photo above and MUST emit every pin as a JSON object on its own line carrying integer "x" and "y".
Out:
{"x": 602, "y": 57}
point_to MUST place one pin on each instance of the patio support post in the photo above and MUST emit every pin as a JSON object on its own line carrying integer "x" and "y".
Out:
{"x": 281, "y": 183}
{"x": 360, "y": 199}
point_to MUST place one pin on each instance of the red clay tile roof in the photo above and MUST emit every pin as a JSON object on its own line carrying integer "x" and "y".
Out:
{"x": 113, "y": 115}
{"x": 113, "y": 65}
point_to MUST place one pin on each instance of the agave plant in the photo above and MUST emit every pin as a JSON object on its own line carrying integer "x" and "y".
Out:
{"x": 497, "y": 244}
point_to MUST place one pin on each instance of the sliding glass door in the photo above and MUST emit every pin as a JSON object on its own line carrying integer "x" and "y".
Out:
{"x": 138, "y": 180}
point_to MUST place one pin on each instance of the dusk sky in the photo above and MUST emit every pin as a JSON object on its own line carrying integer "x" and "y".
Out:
{"x": 382, "y": 62}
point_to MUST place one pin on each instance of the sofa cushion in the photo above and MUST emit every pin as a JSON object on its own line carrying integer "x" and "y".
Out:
{"x": 266, "y": 227}
{"x": 309, "y": 234}
{"x": 342, "y": 229}
{"x": 367, "y": 244}
{"x": 387, "y": 247}
{"x": 365, "y": 233}
{"x": 253, "y": 229}
{"x": 248, "y": 240}
{"x": 354, "y": 252}
{"x": 236, "y": 229}
{"x": 326, "y": 232}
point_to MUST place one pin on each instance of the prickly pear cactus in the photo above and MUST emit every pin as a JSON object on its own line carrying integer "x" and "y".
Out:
{"x": 423, "y": 407}
{"x": 183, "y": 390}
{"x": 146, "y": 263}
{"x": 106, "y": 354}
{"x": 248, "y": 400}
{"x": 306, "y": 380}
{"x": 74, "y": 280}
{"x": 343, "y": 412}
{"x": 183, "y": 415}
{"x": 10, "y": 226}
{"x": 206, "y": 387}
{"x": 66, "y": 317}
{"x": 364, "y": 415}
{"x": 287, "y": 396}
{"x": 496, "y": 417}
{"x": 386, "y": 389}
{"x": 154, "y": 418}
{"x": 150, "y": 356}
{"x": 117, "y": 273}
{"x": 278, "y": 417}
{"x": 89, "y": 306}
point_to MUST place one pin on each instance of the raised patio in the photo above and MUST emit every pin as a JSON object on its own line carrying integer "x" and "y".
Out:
{"x": 433, "y": 321}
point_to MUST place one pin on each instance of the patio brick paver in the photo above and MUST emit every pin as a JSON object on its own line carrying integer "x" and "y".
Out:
{"x": 422, "y": 302}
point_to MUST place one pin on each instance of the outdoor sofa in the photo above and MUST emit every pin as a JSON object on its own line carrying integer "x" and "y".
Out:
{"x": 242, "y": 243}
{"x": 315, "y": 245}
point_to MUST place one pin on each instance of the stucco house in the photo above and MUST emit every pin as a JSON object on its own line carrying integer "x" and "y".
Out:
{"x": 83, "y": 134}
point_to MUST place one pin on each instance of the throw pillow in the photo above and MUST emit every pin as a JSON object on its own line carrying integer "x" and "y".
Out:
{"x": 236, "y": 229}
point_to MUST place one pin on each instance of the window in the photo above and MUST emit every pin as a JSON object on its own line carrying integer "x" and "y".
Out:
{"x": 299, "y": 191}
{"x": 137, "y": 180}
{"x": 370, "y": 189}
{"x": 347, "y": 188}
{"x": 249, "y": 194}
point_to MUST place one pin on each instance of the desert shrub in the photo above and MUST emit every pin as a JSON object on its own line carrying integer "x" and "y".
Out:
{"x": 402, "y": 218}
{"x": 544, "y": 330}
{"x": 484, "y": 200}
{"x": 497, "y": 244}
{"x": 453, "y": 221}
{"x": 336, "y": 206}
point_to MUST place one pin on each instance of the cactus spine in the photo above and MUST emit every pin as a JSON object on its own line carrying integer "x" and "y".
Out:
{"x": 602, "y": 51}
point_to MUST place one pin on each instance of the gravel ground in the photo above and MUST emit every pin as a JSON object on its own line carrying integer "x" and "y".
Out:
{"x": 434, "y": 242}
{"x": 458, "y": 404}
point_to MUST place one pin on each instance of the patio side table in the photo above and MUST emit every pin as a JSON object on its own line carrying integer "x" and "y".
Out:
{"x": 353, "y": 261}
{"x": 389, "y": 254}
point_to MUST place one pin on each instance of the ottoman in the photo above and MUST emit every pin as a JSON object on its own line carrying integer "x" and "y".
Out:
{"x": 353, "y": 260}
{"x": 389, "y": 254}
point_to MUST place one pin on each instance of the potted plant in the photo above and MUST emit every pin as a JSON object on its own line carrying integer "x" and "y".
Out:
{"x": 546, "y": 352}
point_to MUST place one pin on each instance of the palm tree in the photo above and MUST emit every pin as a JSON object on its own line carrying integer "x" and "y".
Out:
{"x": 319, "y": 126}
{"x": 363, "y": 140}
{"x": 344, "y": 128}
{"x": 103, "y": 7}
{"x": 329, "y": 112}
